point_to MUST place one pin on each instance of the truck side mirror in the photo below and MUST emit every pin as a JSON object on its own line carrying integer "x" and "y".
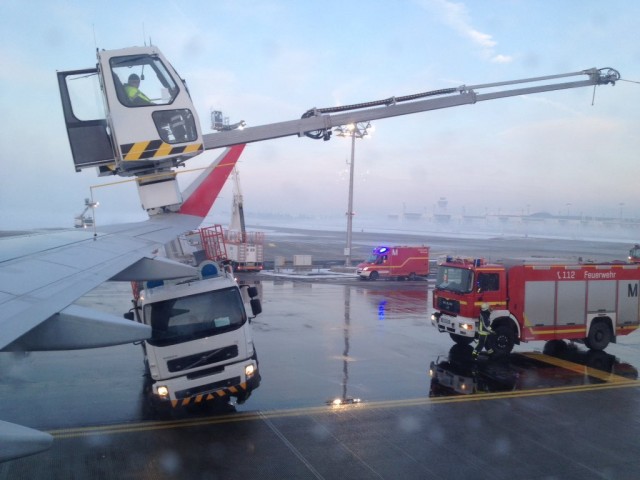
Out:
{"x": 252, "y": 291}
{"x": 128, "y": 316}
{"x": 256, "y": 306}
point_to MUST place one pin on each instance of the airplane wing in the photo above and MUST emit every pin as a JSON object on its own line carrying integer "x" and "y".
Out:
{"x": 42, "y": 274}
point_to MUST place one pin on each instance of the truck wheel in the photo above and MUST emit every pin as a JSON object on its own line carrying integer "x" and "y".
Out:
{"x": 460, "y": 340}
{"x": 374, "y": 276}
{"x": 599, "y": 336}
{"x": 502, "y": 341}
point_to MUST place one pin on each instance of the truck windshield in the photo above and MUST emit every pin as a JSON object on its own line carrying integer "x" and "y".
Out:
{"x": 375, "y": 259}
{"x": 195, "y": 316}
{"x": 454, "y": 279}
{"x": 372, "y": 258}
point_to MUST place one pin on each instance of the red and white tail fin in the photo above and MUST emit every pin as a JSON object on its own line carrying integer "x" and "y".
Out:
{"x": 198, "y": 198}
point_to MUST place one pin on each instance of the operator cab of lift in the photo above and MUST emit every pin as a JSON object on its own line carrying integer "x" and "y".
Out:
{"x": 130, "y": 115}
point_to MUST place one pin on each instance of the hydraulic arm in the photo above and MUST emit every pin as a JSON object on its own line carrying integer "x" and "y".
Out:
{"x": 317, "y": 123}
{"x": 146, "y": 124}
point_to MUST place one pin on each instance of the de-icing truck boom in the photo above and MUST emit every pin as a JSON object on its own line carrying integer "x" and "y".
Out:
{"x": 150, "y": 134}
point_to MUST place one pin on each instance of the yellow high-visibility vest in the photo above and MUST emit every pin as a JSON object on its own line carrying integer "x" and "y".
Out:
{"x": 134, "y": 93}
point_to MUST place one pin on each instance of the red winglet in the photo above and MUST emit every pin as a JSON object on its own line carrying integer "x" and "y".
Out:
{"x": 199, "y": 197}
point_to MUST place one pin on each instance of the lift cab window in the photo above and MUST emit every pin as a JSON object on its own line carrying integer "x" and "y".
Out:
{"x": 142, "y": 80}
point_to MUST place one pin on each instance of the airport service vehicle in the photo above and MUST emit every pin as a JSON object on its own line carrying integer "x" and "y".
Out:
{"x": 395, "y": 262}
{"x": 201, "y": 348}
{"x": 591, "y": 303}
{"x": 244, "y": 252}
{"x": 118, "y": 135}
{"x": 245, "y": 249}
{"x": 634, "y": 254}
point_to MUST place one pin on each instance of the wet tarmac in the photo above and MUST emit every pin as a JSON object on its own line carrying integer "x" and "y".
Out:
{"x": 414, "y": 405}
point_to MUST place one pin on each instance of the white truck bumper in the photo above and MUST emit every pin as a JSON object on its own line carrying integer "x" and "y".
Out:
{"x": 232, "y": 380}
{"x": 465, "y": 327}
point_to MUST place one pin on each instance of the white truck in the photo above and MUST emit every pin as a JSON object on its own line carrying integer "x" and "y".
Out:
{"x": 201, "y": 349}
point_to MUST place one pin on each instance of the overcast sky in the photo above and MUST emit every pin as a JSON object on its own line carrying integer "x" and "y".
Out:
{"x": 271, "y": 60}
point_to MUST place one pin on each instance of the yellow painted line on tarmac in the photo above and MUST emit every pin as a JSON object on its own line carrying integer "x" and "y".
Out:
{"x": 309, "y": 411}
{"x": 576, "y": 367}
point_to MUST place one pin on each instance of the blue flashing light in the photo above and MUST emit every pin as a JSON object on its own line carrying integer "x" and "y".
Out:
{"x": 209, "y": 270}
{"x": 383, "y": 249}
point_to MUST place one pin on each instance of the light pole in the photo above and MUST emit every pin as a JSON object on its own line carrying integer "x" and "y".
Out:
{"x": 353, "y": 130}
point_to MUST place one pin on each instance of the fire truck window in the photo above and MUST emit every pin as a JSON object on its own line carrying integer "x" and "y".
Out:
{"x": 488, "y": 282}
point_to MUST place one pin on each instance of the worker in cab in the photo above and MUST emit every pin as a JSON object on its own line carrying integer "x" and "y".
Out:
{"x": 134, "y": 95}
{"x": 484, "y": 330}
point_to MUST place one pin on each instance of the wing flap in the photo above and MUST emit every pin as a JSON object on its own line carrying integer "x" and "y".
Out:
{"x": 79, "y": 327}
{"x": 23, "y": 312}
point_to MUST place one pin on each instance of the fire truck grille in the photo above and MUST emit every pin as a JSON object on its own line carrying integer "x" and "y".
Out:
{"x": 203, "y": 358}
{"x": 448, "y": 305}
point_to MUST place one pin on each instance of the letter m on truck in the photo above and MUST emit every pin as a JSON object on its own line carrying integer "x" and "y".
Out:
{"x": 591, "y": 303}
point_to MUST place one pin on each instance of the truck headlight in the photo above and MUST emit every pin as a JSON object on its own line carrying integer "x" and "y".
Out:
{"x": 249, "y": 370}
{"x": 466, "y": 326}
{"x": 163, "y": 391}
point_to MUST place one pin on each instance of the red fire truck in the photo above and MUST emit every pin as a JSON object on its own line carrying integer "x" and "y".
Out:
{"x": 591, "y": 303}
{"x": 395, "y": 262}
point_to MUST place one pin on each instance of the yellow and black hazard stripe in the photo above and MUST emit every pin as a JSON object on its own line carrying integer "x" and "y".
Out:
{"x": 206, "y": 397}
{"x": 155, "y": 149}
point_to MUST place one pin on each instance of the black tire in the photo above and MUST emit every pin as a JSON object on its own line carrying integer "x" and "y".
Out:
{"x": 599, "y": 336}
{"x": 460, "y": 340}
{"x": 502, "y": 341}
{"x": 374, "y": 276}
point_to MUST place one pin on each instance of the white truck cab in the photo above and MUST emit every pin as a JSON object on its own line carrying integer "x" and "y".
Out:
{"x": 201, "y": 348}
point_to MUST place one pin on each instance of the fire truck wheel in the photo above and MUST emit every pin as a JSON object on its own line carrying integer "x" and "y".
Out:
{"x": 599, "y": 336}
{"x": 460, "y": 340}
{"x": 503, "y": 340}
{"x": 373, "y": 276}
